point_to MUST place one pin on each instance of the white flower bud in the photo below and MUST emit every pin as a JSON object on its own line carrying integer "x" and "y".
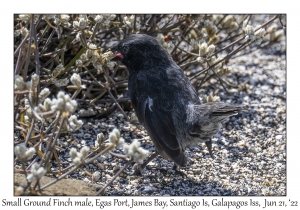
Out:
{"x": 97, "y": 65}
{"x": 233, "y": 26}
{"x": 78, "y": 63}
{"x": 30, "y": 152}
{"x": 75, "y": 24}
{"x": 160, "y": 38}
{"x": 85, "y": 151}
{"x": 25, "y": 18}
{"x": 113, "y": 138}
{"x": 34, "y": 81}
{"x": 82, "y": 22}
{"x": 23, "y": 154}
{"x": 117, "y": 132}
{"x": 99, "y": 18}
{"x": 44, "y": 94}
{"x": 249, "y": 31}
{"x": 76, "y": 80}
{"x": 63, "y": 103}
{"x": 64, "y": 18}
{"x": 272, "y": 28}
{"x": 60, "y": 94}
{"x": 111, "y": 17}
{"x": 100, "y": 139}
{"x": 24, "y": 31}
{"x": 35, "y": 167}
{"x": 135, "y": 152}
{"x": 20, "y": 190}
{"x": 41, "y": 172}
{"x": 77, "y": 161}
{"x": 60, "y": 104}
{"x": 210, "y": 98}
{"x": 200, "y": 59}
{"x": 211, "y": 49}
{"x": 260, "y": 33}
{"x": 19, "y": 83}
{"x": 36, "y": 172}
{"x": 79, "y": 158}
{"x": 92, "y": 46}
{"x": 202, "y": 49}
{"x": 26, "y": 118}
{"x": 111, "y": 64}
{"x": 227, "y": 21}
{"x": 30, "y": 178}
{"x": 75, "y": 124}
{"x": 20, "y": 151}
{"x": 73, "y": 153}
{"x": 83, "y": 57}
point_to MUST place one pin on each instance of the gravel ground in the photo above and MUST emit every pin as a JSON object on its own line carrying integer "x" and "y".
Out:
{"x": 250, "y": 149}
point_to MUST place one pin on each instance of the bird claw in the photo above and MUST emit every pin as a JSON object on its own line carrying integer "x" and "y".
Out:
{"x": 137, "y": 172}
{"x": 177, "y": 171}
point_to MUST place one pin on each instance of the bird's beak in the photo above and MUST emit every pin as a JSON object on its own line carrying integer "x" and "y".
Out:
{"x": 117, "y": 55}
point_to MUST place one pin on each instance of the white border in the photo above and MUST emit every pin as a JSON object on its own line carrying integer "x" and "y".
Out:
{"x": 153, "y": 6}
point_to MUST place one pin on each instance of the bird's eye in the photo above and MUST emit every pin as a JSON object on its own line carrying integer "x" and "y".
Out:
{"x": 124, "y": 48}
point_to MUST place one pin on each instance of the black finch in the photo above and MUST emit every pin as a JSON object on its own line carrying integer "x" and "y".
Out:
{"x": 165, "y": 101}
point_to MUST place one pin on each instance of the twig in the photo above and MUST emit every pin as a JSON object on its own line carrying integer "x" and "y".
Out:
{"x": 109, "y": 147}
{"x": 87, "y": 91}
{"x": 49, "y": 145}
{"x": 59, "y": 178}
{"x": 216, "y": 63}
{"x": 280, "y": 20}
{"x": 43, "y": 34}
{"x": 73, "y": 61}
{"x": 33, "y": 110}
{"x": 47, "y": 42}
{"x": 19, "y": 62}
{"x": 21, "y": 92}
{"x": 95, "y": 30}
{"x": 114, "y": 177}
{"x": 111, "y": 95}
{"x": 118, "y": 105}
{"x": 21, "y": 44}
{"x": 37, "y": 59}
{"x": 52, "y": 53}
{"x": 29, "y": 131}
{"x": 25, "y": 70}
{"x": 189, "y": 53}
{"x": 118, "y": 155}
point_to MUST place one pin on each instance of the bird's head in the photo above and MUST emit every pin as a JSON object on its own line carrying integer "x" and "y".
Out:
{"x": 140, "y": 50}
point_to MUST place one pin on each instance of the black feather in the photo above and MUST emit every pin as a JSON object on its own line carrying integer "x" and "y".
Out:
{"x": 165, "y": 101}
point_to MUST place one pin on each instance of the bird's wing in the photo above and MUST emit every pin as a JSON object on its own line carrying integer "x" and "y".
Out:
{"x": 160, "y": 127}
{"x": 155, "y": 113}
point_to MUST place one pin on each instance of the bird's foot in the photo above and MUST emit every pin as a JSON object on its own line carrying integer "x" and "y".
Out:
{"x": 177, "y": 170}
{"x": 138, "y": 171}
{"x": 139, "y": 168}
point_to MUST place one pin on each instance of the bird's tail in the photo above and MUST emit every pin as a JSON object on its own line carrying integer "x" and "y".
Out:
{"x": 218, "y": 112}
{"x": 206, "y": 118}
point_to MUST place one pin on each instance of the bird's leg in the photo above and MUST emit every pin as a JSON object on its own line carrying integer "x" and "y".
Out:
{"x": 209, "y": 147}
{"x": 177, "y": 170}
{"x": 138, "y": 171}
